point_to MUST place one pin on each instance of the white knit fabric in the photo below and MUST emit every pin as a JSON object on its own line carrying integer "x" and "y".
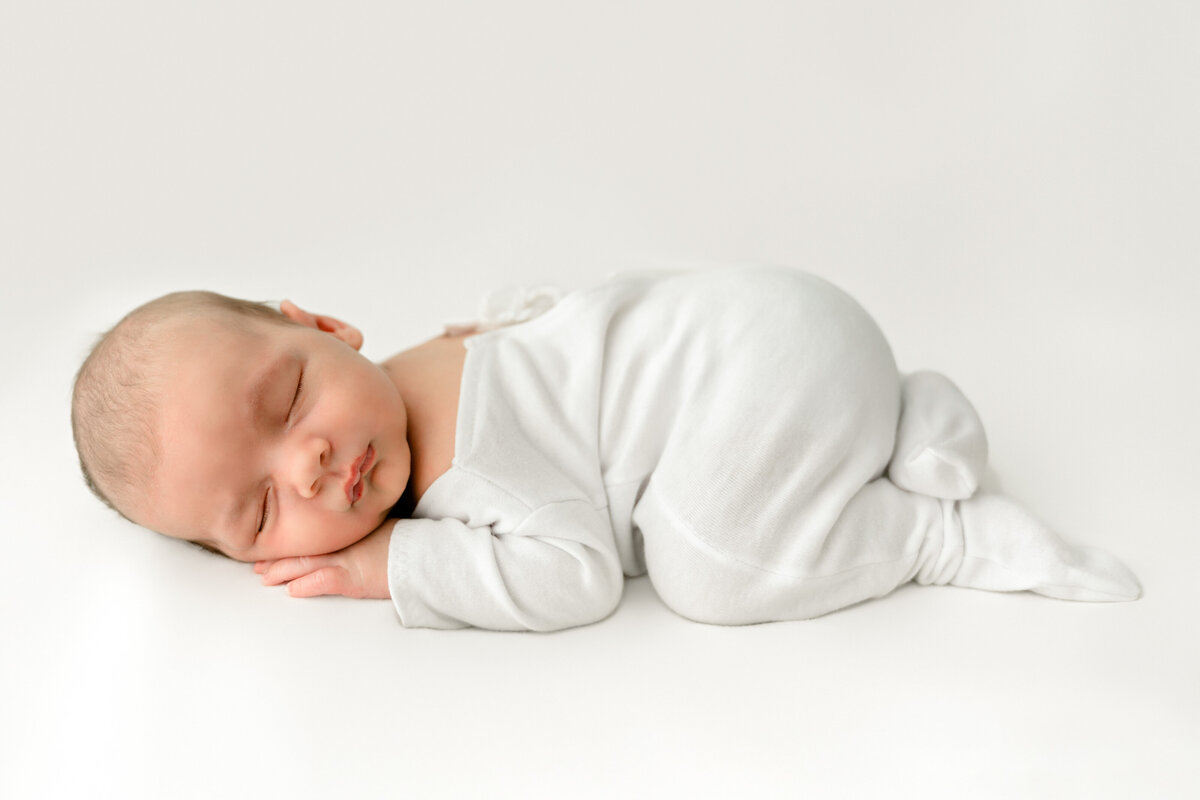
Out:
{"x": 941, "y": 447}
{"x": 727, "y": 431}
{"x": 508, "y": 305}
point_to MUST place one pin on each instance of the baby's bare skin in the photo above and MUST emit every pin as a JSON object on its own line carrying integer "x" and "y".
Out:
{"x": 428, "y": 376}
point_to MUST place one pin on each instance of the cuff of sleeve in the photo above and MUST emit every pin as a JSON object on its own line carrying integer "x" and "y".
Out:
{"x": 397, "y": 569}
{"x": 405, "y": 578}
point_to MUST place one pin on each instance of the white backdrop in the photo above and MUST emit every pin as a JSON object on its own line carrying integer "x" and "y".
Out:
{"x": 1011, "y": 188}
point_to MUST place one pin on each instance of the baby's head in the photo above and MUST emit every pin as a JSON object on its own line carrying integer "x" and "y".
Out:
{"x": 253, "y": 432}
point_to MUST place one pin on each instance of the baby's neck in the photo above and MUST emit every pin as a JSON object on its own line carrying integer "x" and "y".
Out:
{"x": 428, "y": 377}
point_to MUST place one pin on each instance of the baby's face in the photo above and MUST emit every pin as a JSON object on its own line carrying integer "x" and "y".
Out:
{"x": 276, "y": 441}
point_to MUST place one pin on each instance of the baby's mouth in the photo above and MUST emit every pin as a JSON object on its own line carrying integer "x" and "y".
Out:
{"x": 354, "y": 483}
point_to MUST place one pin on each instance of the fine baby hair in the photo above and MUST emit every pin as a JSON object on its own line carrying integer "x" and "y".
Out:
{"x": 741, "y": 434}
{"x": 115, "y": 391}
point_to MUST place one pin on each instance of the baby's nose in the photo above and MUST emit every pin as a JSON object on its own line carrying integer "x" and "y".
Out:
{"x": 308, "y": 466}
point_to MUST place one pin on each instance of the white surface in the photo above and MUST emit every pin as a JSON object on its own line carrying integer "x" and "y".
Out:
{"x": 1011, "y": 188}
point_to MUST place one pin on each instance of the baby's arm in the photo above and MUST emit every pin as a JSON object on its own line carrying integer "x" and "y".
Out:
{"x": 557, "y": 569}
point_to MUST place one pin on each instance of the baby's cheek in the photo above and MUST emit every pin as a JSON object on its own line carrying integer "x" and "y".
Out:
{"x": 339, "y": 530}
{"x": 320, "y": 533}
{"x": 382, "y": 478}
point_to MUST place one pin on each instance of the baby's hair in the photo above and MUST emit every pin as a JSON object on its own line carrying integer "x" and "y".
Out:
{"x": 114, "y": 401}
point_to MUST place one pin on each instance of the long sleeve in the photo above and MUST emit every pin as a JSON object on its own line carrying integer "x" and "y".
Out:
{"x": 557, "y": 568}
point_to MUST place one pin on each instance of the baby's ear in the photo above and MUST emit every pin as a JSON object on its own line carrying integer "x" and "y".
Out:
{"x": 335, "y": 327}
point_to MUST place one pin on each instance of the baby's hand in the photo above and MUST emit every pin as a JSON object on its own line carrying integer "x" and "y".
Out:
{"x": 359, "y": 570}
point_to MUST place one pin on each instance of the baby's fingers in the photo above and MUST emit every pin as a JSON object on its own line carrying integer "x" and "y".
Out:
{"x": 286, "y": 569}
{"x": 327, "y": 580}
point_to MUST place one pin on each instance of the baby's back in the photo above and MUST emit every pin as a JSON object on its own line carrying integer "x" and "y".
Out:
{"x": 705, "y": 398}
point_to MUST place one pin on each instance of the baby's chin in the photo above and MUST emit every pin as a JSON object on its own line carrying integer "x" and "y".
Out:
{"x": 361, "y": 530}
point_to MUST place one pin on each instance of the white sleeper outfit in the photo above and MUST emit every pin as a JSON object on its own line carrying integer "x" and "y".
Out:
{"x": 740, "y": 434}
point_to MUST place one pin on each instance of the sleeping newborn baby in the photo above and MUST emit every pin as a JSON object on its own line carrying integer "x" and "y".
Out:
{"x": 741, "y": 435}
